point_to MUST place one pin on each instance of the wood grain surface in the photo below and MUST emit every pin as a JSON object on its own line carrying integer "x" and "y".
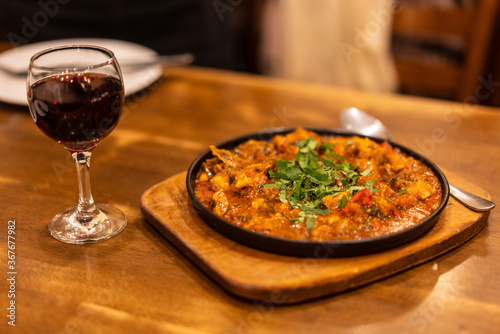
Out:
{"x": 272, "y": 278}
{"x": 138, "y": 282}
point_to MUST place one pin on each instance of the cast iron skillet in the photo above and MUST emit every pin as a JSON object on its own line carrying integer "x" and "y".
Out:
{"x": 305, "y": 248}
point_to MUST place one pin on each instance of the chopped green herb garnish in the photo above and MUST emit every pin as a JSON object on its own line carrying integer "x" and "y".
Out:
{"x": 306, "y": 180}
{"x": 366, "y": 172}
{"x": 328, "y": 149}
{"x": 310, "y": 223}
{"x": 343, "y": 202}
{"x": 370, "y": 184}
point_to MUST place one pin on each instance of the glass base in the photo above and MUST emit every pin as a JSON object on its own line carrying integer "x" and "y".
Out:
{"x": 106, "y": 222}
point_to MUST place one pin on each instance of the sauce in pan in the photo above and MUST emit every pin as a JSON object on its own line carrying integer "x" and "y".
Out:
{"x": 309, "y": 187}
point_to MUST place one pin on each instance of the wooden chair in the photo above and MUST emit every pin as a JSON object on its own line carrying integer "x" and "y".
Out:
{"x": 441, "y": 52}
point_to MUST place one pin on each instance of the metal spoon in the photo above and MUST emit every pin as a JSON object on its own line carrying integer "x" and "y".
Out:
{"x": 357, "y": 121}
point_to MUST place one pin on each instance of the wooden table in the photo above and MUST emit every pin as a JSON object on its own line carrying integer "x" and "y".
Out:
{"x": 138, "y": 282}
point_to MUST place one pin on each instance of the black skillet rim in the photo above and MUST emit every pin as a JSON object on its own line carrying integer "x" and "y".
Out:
{"x": 306, "y": 248}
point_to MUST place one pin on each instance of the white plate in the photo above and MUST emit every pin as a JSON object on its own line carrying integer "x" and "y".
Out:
{"x": 13, "y": 89}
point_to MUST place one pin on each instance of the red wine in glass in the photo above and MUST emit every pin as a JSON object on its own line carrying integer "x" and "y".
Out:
{"x": 77, "y": 110}
{"x": 75, "y": 96}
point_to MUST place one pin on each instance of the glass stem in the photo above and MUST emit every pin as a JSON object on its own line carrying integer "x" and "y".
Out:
{"x": 86, "y": 205}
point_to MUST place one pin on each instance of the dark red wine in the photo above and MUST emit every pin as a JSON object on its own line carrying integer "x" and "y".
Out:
{"x": 77, "y": 110}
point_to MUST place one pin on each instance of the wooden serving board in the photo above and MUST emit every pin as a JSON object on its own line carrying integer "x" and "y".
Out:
{"x": 279, "y": 279}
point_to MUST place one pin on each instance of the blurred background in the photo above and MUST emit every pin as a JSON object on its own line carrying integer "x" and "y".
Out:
{"x": 447, "y": 49}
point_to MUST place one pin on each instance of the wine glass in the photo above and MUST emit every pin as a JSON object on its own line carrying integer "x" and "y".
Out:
{"x": 75, "y": 96}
